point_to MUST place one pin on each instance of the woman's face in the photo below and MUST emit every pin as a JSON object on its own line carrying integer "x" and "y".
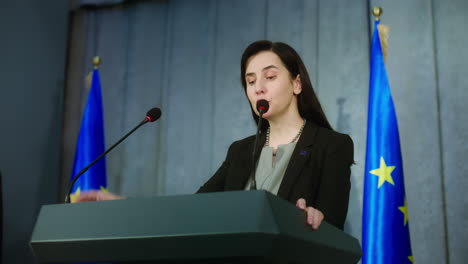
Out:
{"x": 267, "y": 78}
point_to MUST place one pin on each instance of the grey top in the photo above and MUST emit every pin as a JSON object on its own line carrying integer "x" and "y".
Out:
{"x": 271, "y": 169}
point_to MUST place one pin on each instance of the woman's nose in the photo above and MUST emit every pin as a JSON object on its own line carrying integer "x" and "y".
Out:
{"x": 260, "y": 87}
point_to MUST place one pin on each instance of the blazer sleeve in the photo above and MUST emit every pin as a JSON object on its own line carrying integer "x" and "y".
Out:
{"x": 217, "y": 182}
{"x": 335, "y": 185}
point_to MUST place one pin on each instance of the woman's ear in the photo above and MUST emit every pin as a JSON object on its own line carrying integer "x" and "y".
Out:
{"x": 297, "y": 85}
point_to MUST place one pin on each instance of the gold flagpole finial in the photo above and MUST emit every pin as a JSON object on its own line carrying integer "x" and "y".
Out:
{"x": 96, "y": 62}
{"x": 377, "y": 12}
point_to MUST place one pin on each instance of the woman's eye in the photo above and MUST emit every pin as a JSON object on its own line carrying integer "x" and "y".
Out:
{"x": 251, "y": 82}
{"x": 271, "y": 77}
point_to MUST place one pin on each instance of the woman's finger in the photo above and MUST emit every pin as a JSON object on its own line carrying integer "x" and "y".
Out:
{"x": 301, "y": 203}
{"x": 310, "y": 215}
{"x": 86, "y": 197}
{"x": 107, "y": 196}
{"x": 317, "y": 219}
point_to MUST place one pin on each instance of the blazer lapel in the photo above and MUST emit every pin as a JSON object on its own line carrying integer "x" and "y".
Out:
{"x": 299, "y": 157}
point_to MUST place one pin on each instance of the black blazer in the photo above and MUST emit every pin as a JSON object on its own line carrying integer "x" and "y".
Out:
{"x": 318, "y": 171}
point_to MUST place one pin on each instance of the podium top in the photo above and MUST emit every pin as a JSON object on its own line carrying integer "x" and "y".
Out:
{"x": 223, "y": 225}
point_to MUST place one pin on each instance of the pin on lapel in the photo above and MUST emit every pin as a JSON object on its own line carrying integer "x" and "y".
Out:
{"x": 303, "y": 152}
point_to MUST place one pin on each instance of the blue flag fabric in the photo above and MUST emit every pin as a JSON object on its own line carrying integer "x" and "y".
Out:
{"x": 91, "y": 143}
{"x": 385, "y": 229}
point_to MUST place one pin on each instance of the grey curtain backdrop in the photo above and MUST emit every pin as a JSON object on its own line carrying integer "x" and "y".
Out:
{"x": 183, "y": 56}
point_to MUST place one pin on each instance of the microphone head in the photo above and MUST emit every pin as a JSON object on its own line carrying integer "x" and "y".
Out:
{"x": 153, "y": 114}
{"x": 262, "y": 106}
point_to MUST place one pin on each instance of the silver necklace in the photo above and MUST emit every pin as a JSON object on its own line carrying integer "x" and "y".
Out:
{"x": 267, "y": 141}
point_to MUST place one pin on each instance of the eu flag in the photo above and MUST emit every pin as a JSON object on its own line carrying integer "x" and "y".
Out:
{"x": 385, "y": 229}
{"x": 90, "y": 143}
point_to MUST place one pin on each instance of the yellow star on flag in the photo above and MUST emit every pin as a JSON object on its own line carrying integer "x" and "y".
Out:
{"x": 411, "y": 259}
{"x": 404, "y": 210}
{"x": 75, "y": 195}
{"x": 384, "y": 173}
{"x": 104, "y": 189}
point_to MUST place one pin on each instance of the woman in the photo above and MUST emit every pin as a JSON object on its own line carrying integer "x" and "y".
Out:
{"x": 302, "y": 160}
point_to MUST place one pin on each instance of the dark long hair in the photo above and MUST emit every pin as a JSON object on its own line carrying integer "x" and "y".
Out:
{"x": 308, "y": 103}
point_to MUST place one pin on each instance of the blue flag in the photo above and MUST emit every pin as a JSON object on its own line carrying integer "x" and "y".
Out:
{"x": 385, "y": 229}
{"x": 90, "y": 143}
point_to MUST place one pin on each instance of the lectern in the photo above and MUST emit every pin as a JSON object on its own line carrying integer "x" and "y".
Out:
{"x": 227, "y": 227}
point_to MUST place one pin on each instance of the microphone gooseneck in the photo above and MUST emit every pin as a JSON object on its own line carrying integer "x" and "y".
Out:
{"x": 151, "y": 116}
{"x": 262, "y": 107}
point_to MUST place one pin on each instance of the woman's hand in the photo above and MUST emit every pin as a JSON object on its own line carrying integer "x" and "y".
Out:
{"x": 91, "y": 196}
{"x": 314, "y": 216}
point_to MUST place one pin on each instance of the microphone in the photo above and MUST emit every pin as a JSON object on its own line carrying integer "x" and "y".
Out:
{"x": 262, "y": 107}
{"x": 152, "y": 115}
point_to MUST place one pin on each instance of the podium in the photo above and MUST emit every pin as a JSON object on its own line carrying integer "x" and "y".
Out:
{"x": 225, "y": 227}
